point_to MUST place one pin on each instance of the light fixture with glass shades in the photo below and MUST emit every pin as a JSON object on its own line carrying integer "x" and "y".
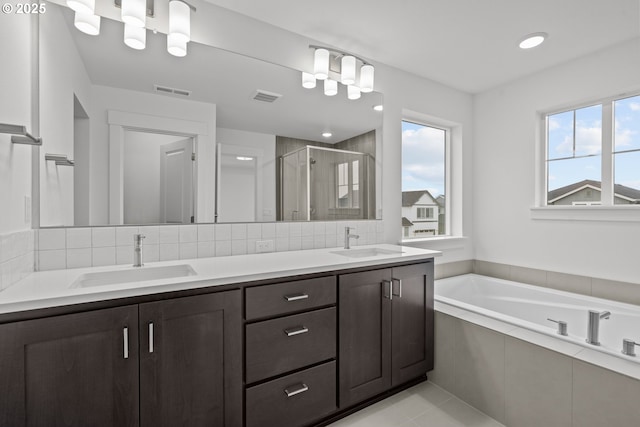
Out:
{"x": 134, "y": 15}
{"x": 335, "y": 66}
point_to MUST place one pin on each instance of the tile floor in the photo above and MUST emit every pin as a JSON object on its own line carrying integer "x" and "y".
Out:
{"x": 423, "y": 405}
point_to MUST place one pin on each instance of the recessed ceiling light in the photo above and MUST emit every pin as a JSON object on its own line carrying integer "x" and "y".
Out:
{"x": 244, "y": 158}
{"x": 378, "y": 107}
{"x": 532, "y": 40}
{"x": 327, "y": 134}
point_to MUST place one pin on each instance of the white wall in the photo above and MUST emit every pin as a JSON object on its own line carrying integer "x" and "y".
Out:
{"x": 107, "y": 98}
{"x": 504, "y": 170}
{"x": 62, "y": 75}
{"x": 264, "y": 146}
{"x": 15, "y": 108}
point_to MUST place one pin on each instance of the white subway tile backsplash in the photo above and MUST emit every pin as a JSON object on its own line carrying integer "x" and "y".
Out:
{"x": 319, "y": 241}
{"x": 55, "y": 259}
{"x": 282, "y": 230}
{"x": 307, "y": 242}
{"x": 251, "y": 246}
{"x": 319, "y": 228}
{"x": 78, "y": 238}
{"x": 331, "y": 241}
{"x": 49, "y": 239}
{"x": 331, "y": 228}
{"x": 282, "y": 244}
{"x": 78, "y": 257}
{"x": 124, "y": 236}
{"x": 223, "y": 231}
{"x": 239, "y": 247}
{"x": 103, "y": 237}
{"x": 103, "y": 256}
{"x": 295, "y": 229}
{"x": 150, "y": 253}
{"x": 169, "y": 234}
{"x": 206, "y": 249}
{"x": 124, "y": 255}
{"x": 205, "y": 232}
{"x": 254, "y": 231}
{"x": 188, "y": 250}
{"x": 188, "y": 234}
{"x": 306, "y": 229}
{"x": 223, "y": 247}
{"x": 269, "y": 230}
{"x": 169, "y": 251}
{"x": 295, "y": 243}
{"x": 238, "y": 231}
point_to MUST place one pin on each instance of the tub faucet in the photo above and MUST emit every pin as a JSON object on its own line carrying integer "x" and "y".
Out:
{"x": 629, "y": 347}
{"x": 348, "y": 236}
{"x": 137, "y": 250}
{"x": 593, "y": 329}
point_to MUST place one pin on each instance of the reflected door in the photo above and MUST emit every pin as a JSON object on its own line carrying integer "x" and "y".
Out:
{"x": 176, "y": 182}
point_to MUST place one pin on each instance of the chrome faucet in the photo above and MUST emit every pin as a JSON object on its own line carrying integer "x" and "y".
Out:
{"x": 593, "y": 329}
{"x": 629, "y": 347}
{"x": 348, "y": 236}
{"x": 137, "y": 250}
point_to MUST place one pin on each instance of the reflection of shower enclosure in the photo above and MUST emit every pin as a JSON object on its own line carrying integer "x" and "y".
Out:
{"x": 319, "y": 183}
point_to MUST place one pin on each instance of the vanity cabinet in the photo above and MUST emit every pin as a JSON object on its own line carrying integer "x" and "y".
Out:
{"x": 386, "y": 329}
{"x": 166, "y": 363}
{"x": 290, "y": 368}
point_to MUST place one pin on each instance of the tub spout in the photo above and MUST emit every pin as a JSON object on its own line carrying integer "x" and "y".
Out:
{"x": 629, "y": 347}
{"x": 562, "y": 326}
{"x": 593, "y": 328}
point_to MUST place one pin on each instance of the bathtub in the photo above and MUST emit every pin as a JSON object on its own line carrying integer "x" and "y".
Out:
{"x": 529, "y": 307}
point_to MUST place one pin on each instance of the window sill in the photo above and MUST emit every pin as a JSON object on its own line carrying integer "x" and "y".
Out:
{"x": 436, "y": 243}
{"x": 587, "y": 213}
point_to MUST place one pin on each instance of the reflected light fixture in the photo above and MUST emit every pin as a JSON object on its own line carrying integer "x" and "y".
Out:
{"x": 86, "y": 7}
{"x": 532, "y": 40}
{"x": 87, "y": 23}
{"x": 243, "y": 158}
{"x": 335, "y": 66}
{"x": 176, "y": 45}
{"x": 327, "y": 134}
{"x": 378, "y": 107}
{"x": 135, "y": 37}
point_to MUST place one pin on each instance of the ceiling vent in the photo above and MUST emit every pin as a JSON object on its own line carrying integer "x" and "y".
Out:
{"x": 264, "y": 96}
{"x": 171, "y": 91}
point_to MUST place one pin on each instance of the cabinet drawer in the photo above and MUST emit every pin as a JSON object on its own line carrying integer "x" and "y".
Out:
{"x": 277, "y": 346}
{"x": 294, "y": 400}
{"x": 283, "y": 298}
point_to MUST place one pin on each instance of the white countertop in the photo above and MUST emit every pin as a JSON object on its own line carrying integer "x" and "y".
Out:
{"x": 54, "y": 288}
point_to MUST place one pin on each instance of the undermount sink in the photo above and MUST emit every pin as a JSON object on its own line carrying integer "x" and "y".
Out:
{"x": 138, "y": 274}
{"x": 367, "y": 252}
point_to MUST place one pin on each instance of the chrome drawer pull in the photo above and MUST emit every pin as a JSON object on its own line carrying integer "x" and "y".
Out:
{"x": 125, "y": 336}
{"x": 384, "y": 289}
{"x": 301, "y": 389}
{"x": 296, "y": 297}
{"x": 150, "y": 337}
{"x": 399, "y": 294}
{"x": 296, "y": 331}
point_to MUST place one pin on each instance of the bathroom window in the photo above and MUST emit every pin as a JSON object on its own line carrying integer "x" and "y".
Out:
{"x": 424, "y": 179}
{"x": 580, "y": 152}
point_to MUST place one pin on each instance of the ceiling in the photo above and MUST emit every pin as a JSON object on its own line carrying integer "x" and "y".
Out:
{"x": 470, "y": 45}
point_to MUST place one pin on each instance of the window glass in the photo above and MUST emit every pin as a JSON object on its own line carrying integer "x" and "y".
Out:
{"x": 423, "y": 180}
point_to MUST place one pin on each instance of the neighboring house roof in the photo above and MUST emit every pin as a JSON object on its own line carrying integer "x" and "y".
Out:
{"x": 619, "y": 190}
{"x": 406, "y": 222}
{"x": 440, "y": 201}
{"x": 410, "y": 198}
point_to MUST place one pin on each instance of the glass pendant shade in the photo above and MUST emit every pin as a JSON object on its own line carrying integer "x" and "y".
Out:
{"x": 135, "y": 37}
{"x": 330, "y": 87}
{"x": 366, "y": 78}
{"x": 87, "y": 23}
{"x": 86, "y": 7}
{"x": 353, "y": 92}
{"x": 321, "y": 64}
{"x": 176, "y": 46}
{"x": 348, "y": 70}
{"x": 308, "y": 80}
{"x": 134, "y": 12}
{"x": 180, "y": 20}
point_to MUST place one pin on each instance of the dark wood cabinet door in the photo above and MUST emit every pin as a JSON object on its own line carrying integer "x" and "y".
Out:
{"x": 365, "y": 336}
{"x": 412, "y": 322}
{"x": 74, "y": 370}
{"x": 191, "y": 361}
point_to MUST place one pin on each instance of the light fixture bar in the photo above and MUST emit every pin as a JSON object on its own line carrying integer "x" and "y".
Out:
{"x": 339, "y": 53}
{"x": 150, "y": 7}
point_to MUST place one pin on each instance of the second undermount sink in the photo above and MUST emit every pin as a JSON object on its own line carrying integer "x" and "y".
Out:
{"x": 138, "y": 274}
{"x": 367, "y": 252}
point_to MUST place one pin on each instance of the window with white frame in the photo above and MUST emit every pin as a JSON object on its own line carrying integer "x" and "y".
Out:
{"x": 424, "y": 180}
{"x": 593, "y": 154}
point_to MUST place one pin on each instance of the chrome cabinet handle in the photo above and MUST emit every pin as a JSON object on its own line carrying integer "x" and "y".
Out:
{"x": 296, "y": 297}
{"x": 399, "y": 294}
{"x": 302, "y": 387}
{"x": 150, "y": 337}
{"x": 125, "y": 337}
{"x": 388, "y": 295}
{"x": 290, "y": 332}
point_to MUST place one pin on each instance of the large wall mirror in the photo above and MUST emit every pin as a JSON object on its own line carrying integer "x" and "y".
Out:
{"x": 160, "y": 139}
